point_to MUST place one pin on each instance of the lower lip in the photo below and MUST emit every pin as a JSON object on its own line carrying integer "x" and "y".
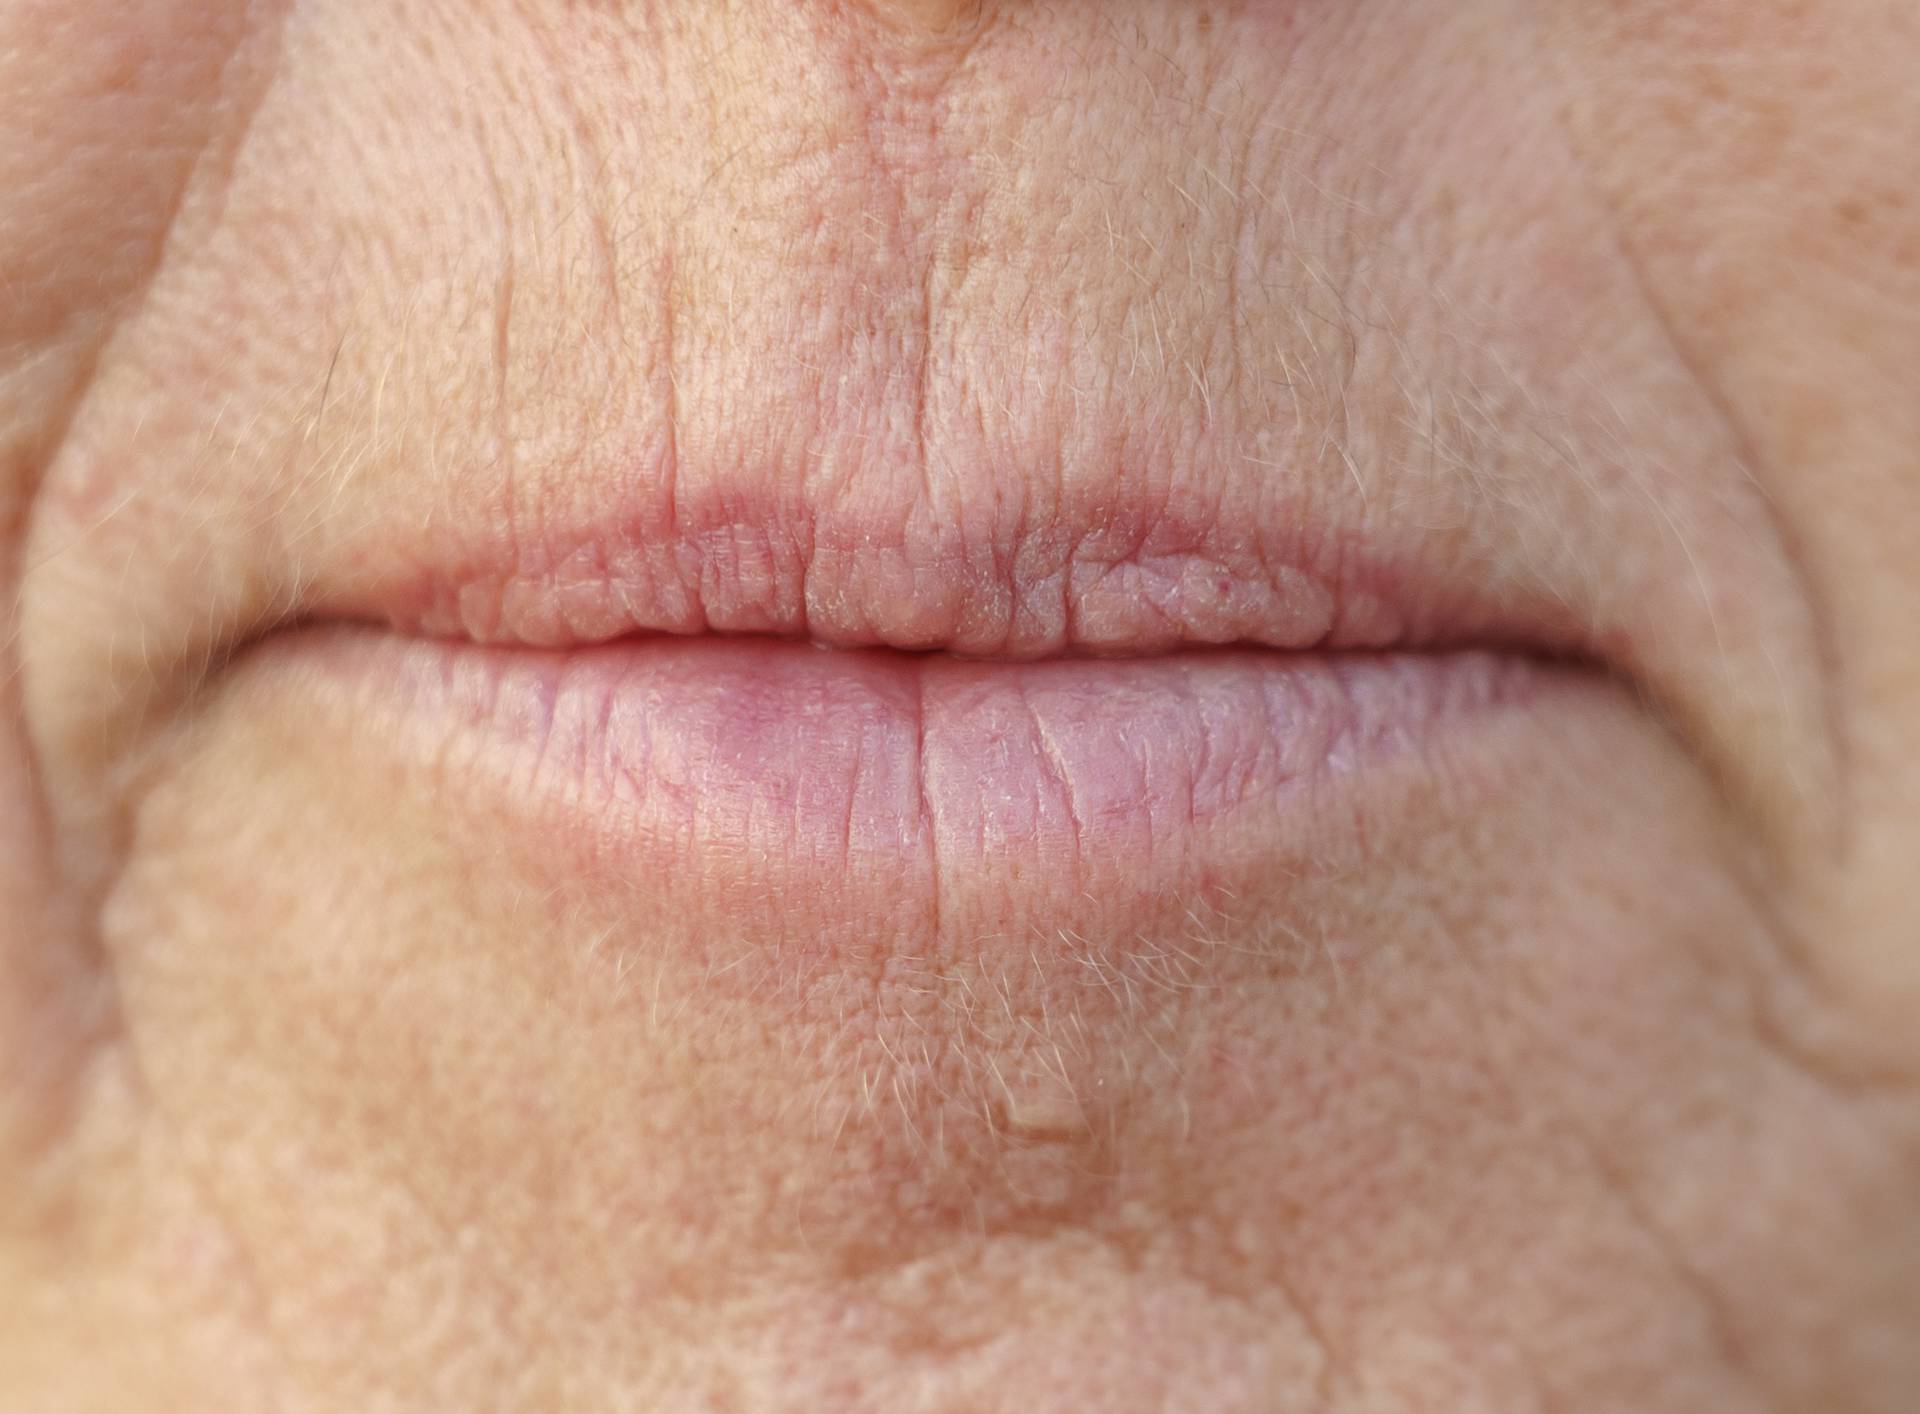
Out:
{"x": 763, "y": 780}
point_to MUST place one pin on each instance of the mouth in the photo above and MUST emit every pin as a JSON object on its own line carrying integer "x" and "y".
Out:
{"x": 982, "y": 729}
{"x": 978, "y": 797}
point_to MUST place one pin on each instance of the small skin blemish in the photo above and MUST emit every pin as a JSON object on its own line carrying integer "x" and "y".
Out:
{"x": 931, "y": 17}
{"x": 1041, "y": 1111}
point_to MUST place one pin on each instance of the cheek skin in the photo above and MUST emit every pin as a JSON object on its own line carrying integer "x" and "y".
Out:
{"x": 1735, "y": 143}
{"x": 126, "y": 106}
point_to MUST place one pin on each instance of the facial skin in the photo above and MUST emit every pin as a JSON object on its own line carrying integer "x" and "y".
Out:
{"x": 1561, "y": 1056}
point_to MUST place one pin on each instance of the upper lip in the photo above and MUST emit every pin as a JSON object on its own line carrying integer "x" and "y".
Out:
{"x": 1102, "y": 573}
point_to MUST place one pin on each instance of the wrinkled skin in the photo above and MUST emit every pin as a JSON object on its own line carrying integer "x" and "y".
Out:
{"x": 1590, "y": 1084}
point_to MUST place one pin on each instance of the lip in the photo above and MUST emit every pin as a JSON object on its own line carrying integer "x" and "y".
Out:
{"x": 763, "y": 782}
{"x": 1099, "y": 572}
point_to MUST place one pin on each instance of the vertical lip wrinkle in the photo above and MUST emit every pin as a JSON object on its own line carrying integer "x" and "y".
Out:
{"x": 1049, "y": 753}
{"x": 924, "y": 805}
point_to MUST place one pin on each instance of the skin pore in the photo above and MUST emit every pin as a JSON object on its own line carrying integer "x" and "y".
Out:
{"x": 1556, "y": 1052}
